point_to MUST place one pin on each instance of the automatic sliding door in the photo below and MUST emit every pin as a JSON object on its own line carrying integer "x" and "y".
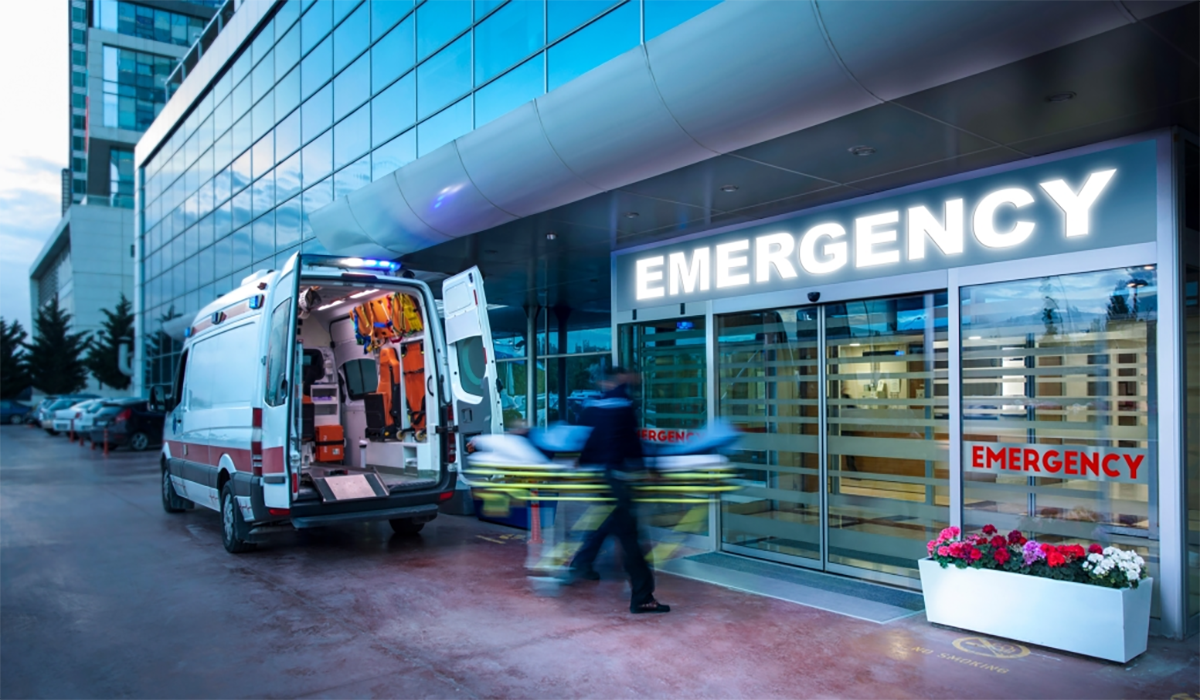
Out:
{"x": 888, "y": 431}
{"x": 768, "y": 365}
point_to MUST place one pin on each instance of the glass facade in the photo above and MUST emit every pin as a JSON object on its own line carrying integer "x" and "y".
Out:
{"x": 134, "y": 87}
{"x": 147, "y": 22}
{"x": 329, "y": 96}
{"x": 120, "y": 177}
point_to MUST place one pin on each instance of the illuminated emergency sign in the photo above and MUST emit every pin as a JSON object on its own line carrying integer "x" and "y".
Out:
{"x": 1058, "y": 461}
{"x": 1091, "y": 201}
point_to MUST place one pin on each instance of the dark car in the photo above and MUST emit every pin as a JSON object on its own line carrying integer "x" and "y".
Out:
{"x": 13, "y": 412}
{"x": 127, "y": 423}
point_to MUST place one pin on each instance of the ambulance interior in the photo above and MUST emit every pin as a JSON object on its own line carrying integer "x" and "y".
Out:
{"x": 367, "y": 395}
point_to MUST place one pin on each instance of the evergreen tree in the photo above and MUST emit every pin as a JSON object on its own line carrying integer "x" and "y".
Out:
{"x": 103, "y": 356}
{"x": 14, "y": 375}
{"x": 55, "y": 357}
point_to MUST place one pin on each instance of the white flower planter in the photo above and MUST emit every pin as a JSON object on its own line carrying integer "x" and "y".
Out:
{"x": 1107, "y": 623}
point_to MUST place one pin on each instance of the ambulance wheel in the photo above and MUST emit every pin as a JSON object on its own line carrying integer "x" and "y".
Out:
{"x": 404, "y": 526}
{"x": 172, "y": 503}
{"x": 233, "y": 527}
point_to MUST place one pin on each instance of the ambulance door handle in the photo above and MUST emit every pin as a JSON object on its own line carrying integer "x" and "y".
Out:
{"x": 429, "y": 385}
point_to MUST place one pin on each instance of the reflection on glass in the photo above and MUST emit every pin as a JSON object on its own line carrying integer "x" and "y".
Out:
{"x": 662, "y": 15}
{"x": 1060, "y": 363}
{"x": 315, "y": 70}
{"x": 385, "y": 14}
{"x": 287, "y": 93}
{"x": 316, "y": 160}
{"x": 597, "y": 43}
{"x": 767, "y": 364}
{"x": 351, "y": 37}
{"x": 564, "y": 15}
{"x": 444, "y": 77}
{"x": 392, "y": 56}
{"x": 518, "y": 86}
{"x": 287, "y": 223}
{"x": 394, "y": 154}
{"x": 352, "y": 87}
{"x": 287, "y": 135}
{"x": 507, "y": 37}
{"x": 352, "y": 137}
{"x": 439, "y": 22}
{"x": 317, "y": 113}
{"x": 394, "y": 109}
{"x": 352, "y": 177}
{"x": 439, "y": 130}
{"x": 1191, "y": 331}
{"x": 888, "y": 430}
{"x": 315, "y": 24}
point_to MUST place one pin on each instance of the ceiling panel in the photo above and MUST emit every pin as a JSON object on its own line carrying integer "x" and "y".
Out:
{"x": 1185, "y": 114}
{"x": 700, "y": 185}
{"x": 933, "y": 171}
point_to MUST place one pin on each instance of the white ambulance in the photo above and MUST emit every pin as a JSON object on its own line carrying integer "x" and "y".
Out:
{"x": 330, "y": 391}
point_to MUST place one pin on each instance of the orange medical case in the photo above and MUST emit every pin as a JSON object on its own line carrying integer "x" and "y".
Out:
{"x": 331, "y": 443}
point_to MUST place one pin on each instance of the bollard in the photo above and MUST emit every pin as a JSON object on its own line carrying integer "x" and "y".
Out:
{"x": 106, "y": 442}
{"x": 535, "y": 520}
{"x": 71, "y": 432}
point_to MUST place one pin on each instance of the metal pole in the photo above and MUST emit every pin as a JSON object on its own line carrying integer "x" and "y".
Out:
{"x": 531, "y": 366}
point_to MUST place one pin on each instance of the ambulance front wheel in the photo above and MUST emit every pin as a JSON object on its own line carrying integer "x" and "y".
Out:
{"x": 233, "y": 527}
{"x": 404, "y": 526}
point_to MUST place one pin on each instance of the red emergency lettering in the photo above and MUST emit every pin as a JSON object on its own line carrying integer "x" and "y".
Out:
{"x": 1134, "y": 464}
{"x": 1014, "y": 458}
{"x": 1050, "y": 466}
{"x": 1089, "y": 461}
{"x": 977, "y": 456}
{"x": 1070, "y": 458}
{"x": 997, "y": 456}
{"x": 1031, "y": 461}
{"x": 1109, "y": 459}
{"x": 662, "y": 436}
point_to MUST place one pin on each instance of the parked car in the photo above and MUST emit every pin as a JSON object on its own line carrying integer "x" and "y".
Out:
{"x": 46, "y": 412}
{"x": 13, "y": 412}
{"x": 71, "y": 417}
{"x": 129, "y": 423}
{"x": 39, "y": 411}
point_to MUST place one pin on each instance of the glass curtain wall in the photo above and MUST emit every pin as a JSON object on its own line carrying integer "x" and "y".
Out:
{"x": 1057, "y": 373}
{"x": 329, "y": 96}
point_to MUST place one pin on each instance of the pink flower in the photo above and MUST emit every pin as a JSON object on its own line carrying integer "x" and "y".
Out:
{"x": 943, "y": 551}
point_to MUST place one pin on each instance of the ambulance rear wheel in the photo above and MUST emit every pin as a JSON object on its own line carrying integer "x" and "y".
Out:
{"x": 404, "y": 526}
{"x": 171, "y": 501}
{"x": 233, "y": 526}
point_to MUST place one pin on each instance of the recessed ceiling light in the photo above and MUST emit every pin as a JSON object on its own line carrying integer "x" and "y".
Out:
{"x": 330, "y": 305}
{"x": 631, "y": 215}
{"x": 1061, "y": 97}
{"x": 975, "y": 337}
{"x": 855, "y": 345}
{"x": 551, "y": 236}
{"x": 862, "y": 151}
{"x": 1148, "y": 267}
{"x": 729, "y": 188}
{"x": 363, "y": 294}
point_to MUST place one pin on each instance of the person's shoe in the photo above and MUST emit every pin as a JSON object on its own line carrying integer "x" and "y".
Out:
{"x": 573, "y": 575}
{"x": 650, "y": 606}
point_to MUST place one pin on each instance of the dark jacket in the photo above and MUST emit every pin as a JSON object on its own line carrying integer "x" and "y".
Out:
{"x": 614, "y": 440}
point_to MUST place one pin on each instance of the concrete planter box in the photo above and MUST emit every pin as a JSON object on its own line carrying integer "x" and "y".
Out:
{"x": 1106, "y": 623}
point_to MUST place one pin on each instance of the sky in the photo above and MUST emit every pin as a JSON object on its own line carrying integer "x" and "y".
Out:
{"x": 34, "y": 140}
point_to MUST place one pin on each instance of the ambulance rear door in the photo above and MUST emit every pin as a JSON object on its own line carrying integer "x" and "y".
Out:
{"x": 278, "y": 440}
{"x": 474, "y": 380}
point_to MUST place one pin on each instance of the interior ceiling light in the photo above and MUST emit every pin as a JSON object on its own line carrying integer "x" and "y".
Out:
{"x": 551, "y": 236}
{"x": 862, "y": 151}
{"x": 631, "y": 215}
{"x": 1061, "y": 97}
{"x": 362, "y": 294}
{"x": 330, "y": 305}
{"x": 729, "y": 188}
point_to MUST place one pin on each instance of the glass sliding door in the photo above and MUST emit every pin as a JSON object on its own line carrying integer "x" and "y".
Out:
{"x": 887, "y": 417}
{"x": 768, "y": 364}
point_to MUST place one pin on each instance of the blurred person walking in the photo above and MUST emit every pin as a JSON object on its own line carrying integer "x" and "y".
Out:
{"x": 615, "y": 445}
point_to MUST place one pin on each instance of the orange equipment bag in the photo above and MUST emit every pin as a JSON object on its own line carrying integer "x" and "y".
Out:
{"x": 389, "y": 375}
{"x": 331, "y": 443}
{"x": 413, "y": 359}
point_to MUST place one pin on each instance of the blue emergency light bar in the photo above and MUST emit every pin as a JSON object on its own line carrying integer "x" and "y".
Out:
{"x": 369, "y": 263}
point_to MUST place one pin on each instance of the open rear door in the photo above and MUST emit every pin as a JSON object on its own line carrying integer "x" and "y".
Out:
{"x": 280, "y": 447}
{"x": 473, "y": 376}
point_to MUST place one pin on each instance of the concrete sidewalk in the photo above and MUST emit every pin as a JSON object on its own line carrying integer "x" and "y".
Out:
{"x": 102, "y": 594}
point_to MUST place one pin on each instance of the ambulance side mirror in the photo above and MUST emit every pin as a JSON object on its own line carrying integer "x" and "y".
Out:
{"x": 158, "y": 399}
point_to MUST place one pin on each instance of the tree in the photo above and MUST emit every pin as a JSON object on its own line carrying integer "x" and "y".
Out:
{"x": 103, "y": 355}
{"x": 14, "y": 375}
{"x": 55, "y": 357}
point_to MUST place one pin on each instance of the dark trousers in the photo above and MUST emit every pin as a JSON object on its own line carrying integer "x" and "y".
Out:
{"x": 621, "y": 523}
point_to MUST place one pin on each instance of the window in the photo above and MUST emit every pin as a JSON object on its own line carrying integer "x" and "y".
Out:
{"x": 223, "y": 355}
{"x": 394, "y": 109}
{"x": 78, "y": 100}
{"x": 439, "y": 22}
{"x": 262, "y": 78}
{"x": 599, "y": 42}
{"x": 392, "y": 56}
{"x": 77, "y": 143}
{"x": 352, "y": 87}
{"x": 78, "y": 58}
{"x": 444, "y": 77}
{"x": 263, "y": 233}
{"x": 287, "y": 223}
{"x": 316, "y": 69}
{"x": 394, "y": 154}
{"x": 352, "y": 137}
{"x": 287, "y": 178}
{"x": 79, "y": 165}
{"x": 120, "y": 173}
{"x": 287, "y": 135}
{"x": 352, "y": 177}
{"x": 510, "y": 91}
{"x": 317, "y": 158}
{"x": 662, "y": 15}
{"x": 134, "y": 87}
{"x": 78, "y": 79}
{"x": 506, "y": 37}
{"x": 78, "y": 36}
{"x": 287, "y": 93}
{"x": 384, "y": 15}
{"x": 351, "y": 37}
{"x": 263, "y": 194}
{"x": 317, "y": 113}
{"x": 287, "y": 51}
{"x": 439, "y": 130}
{"x": 565, "y": 15}
{"x": 361, "y": 378}
{"x": 315, "y": 24}
{"x": 148, "y": 23}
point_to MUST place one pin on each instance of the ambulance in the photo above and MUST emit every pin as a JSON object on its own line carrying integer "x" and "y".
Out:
{"x": 330, "y": 391}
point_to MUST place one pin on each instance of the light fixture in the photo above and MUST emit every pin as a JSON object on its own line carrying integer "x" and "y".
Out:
{"x": 855, "y": 345}
{"x": 1066, "y": 96}
{"x": 975, "y": 337}
{"x": 729, "y": 188}
{"x": 330, "y": 305}
{"x": 1148, "y": 267}
{"x": 362, "y": 294}
{"x": 861, "y": 151}
{"x": 550, "y": 235}
{"x": 631, "y": 215}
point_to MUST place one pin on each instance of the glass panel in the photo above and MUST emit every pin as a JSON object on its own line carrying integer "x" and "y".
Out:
{"x": 317, "y": 158}
{"x": 352, "y": 177}
{"x": 444, "y": 77}
{"x": 385, "y": 14}
{"x": 263, "y": 78}
{"x": 607, "y": 38}
{"x": 512, "y": 375}
{"x": 264, "y": 236}
{"x": 439, "y": 130}
{"x": 287, "y": 51}
{"x": 351, "y": 37}
{"x": 341, "y": 8}
{"x": 394, "y": 154}
{"x": 662, "y": 15}
{"x": 888, "y": 430}
{"x": 314, "y": 198}
{"x": 287, "y": 178}
{"x": 316, "y": 23}
{"x": 287, "y": 135}
{"x": 316, "y": 69}
{"x": 1059, "y": 378}
{"x": 287, "y": 93}
{"x": 287, "y": 223}
{"x": 394, "y": 109}
{"x": 564, "y": 15}
{"x": 317, "y": 113}
{"x": 439, "y": 22}
{"x": 507, "y": 37}
{"x": 392, "y": 56}
{"x": 518, "y": 86}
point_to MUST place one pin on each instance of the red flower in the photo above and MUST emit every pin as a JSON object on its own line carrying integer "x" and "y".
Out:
{"x": 1095, "y": 549}
{"x": 1072, "y": 552}
{"x": 999, "y": 542}
{"x": 989, "y": 529}
{"x": 943, "y": 551}
{"x": 978, "y": 540}
{"x": 975, "y": 554}
{"x": 1015, "y": 537}
{"x": 1001, "y": 556}
{"x": 1053, "y": 556}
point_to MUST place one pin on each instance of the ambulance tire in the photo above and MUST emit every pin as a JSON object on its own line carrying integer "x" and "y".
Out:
{"x": 233, "y": 527}
{"x": 405, "y": 526}
{"x": 171, "y": 501}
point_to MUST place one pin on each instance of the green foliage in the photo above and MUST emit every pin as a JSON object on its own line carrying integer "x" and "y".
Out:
{"x": 14, "y": 375}
{"x": 55, "y": 357}
{"x": 103, "y": 356}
